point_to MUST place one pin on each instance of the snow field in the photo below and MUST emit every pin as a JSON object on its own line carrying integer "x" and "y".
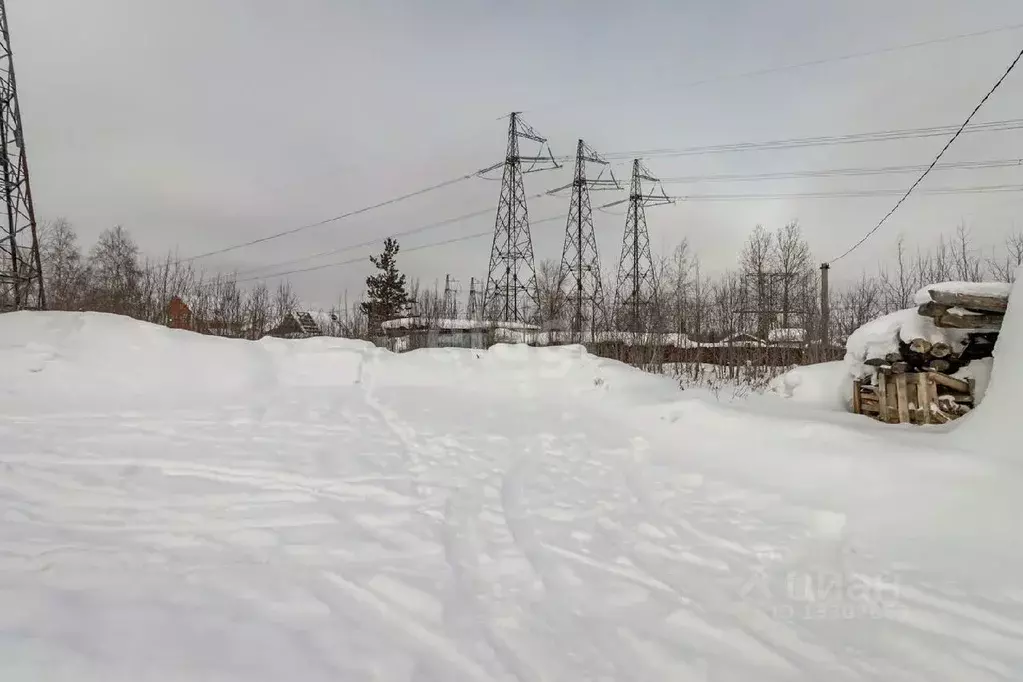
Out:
{"x": 177, "y": 507}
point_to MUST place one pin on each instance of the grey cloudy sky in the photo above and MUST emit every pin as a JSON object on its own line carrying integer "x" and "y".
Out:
{"x": 202, "y": 123}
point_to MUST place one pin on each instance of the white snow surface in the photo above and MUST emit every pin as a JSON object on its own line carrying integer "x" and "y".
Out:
{"x": 972, "y": 288}
{"x": 995, "y": 423}
{"x": 826, "y": 385}
{"x": 177, "y": 507}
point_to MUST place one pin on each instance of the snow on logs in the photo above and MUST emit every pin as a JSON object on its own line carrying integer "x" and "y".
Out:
{"x": 912, "y": 366}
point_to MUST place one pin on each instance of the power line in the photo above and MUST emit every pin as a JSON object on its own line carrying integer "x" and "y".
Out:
{"x": 936, "y": 159}
{"x": 404, "y": 233}
{"x": 877, "y": 136}
{"x": 854, "y": 55}
{"x": 820, "y": 141}
{"x": 430, "y": 245}
{"x": 843, "y": 172}
{"x": 840, "y": 194}
{"x": 830, "y": 60}
{"x": 349, "y": 214}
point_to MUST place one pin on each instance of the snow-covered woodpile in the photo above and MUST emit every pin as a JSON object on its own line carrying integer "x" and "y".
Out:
{"x": 928, "y": 364}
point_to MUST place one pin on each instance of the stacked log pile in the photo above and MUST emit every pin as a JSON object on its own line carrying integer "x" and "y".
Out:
{"x": 915, "y": 384}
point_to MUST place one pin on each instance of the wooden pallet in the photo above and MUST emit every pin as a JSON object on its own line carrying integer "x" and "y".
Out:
{"x": 927, "y": 397}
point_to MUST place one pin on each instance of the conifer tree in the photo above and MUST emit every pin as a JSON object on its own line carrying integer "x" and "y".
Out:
{"x": 386, "y": 295}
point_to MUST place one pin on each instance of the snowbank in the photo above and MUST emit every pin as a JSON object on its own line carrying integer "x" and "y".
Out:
{"x": 78, "y": 358}
{"x": 826, "y": 385}
{"x": 970, "y": 288}
{"x": 81, "y": 357}
{"x": 995, "y": 424}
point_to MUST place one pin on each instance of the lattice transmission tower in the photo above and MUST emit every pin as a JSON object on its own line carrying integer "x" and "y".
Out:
{"x": 635, "y": 291}
{"x": 579, "y": 275}
{"x": 510, "y": 294}
{"x": 21, "y": 278}
{"x": 472, "y": 306}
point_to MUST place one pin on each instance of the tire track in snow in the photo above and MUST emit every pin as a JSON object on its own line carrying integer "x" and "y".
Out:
{"x": 431, "y": 650}
{"x": 608, "y": 633}
{"x": 557, "y": 590}
{"x": 459, "y": 550}
{"x": 335, "y": 489}
{"x": 778, "y": 637}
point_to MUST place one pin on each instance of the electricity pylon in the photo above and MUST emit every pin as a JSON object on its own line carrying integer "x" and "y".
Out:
{"x": 579, "y": 280}
{"x": 21, "y": 270}
{"x": 510, "y": 294}
{"x": 635, "y": 292}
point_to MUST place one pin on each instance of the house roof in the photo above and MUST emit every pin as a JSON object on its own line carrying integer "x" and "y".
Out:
{"x": 786, "y": 334}
{"x": 454, "y": 324}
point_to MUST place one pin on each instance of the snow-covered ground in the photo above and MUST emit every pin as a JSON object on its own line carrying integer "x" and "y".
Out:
{"x": 178, "y": 507}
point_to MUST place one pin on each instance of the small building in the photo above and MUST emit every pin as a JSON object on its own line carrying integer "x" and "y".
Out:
{"x": 178, "y": 315}
{"x": 303, "y": 324}
{"x": 407, "y": 333}
{"x": 740, "y": 340}
{"x": 792, "y": 337}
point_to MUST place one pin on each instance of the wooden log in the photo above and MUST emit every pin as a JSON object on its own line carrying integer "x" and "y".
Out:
{"x": 915, "y": 359}
{"x": 875, "y": 362}
{"x": 977, "y": 302}
{"x": 955, "y": 320}
{"x": 957, "y": 385}
{"x": 900, "y": 367}
{"x": 922, "y": 346}
{"x": 940, "y": 350}
{"x": 856, "y": 397}
{"x": 923, "y": 398}
{"x": 932, "y": 309}
{"x": 902, "y": 395}
{"x": 952, "y": 408}
{"x": 893, "y": 357}
{"x": 939, "y": 365}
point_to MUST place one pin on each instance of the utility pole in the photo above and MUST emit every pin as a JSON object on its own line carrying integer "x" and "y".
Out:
{"x": 580, "y": 262}
{"x": 510, "y": 294}
{"x": 825, "y": 309}
{"x": 21, "y": 268}
{"x": 635, "y": 290}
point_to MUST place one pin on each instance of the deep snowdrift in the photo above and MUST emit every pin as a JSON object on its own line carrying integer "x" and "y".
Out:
{"x": 183, "y": 508}
{"x": 827, "y": 385}
{"x": 996, "y": 423}
{"x": 77, "y": 358}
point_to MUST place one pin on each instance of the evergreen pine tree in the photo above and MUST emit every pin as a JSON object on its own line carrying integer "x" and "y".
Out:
{"x": 385, "y": 291}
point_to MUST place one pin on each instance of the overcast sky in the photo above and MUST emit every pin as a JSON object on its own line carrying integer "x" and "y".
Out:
{"x": 199, "y": 124}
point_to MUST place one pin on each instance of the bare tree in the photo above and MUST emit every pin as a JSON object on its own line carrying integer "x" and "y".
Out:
{"x": 1004, "y": 265}
{"x": 677, "y": 286}
{"x": 794, "y": 265}
{"x": 114, "y": 273}
{"x": 284, "y": 302}
{"x": 63, "y": 270}
{"x": 550, "y": 295}
{"x": 899, "y": 285}
{"x": 755, "y": 260}
{"x": 968, "y": 267}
